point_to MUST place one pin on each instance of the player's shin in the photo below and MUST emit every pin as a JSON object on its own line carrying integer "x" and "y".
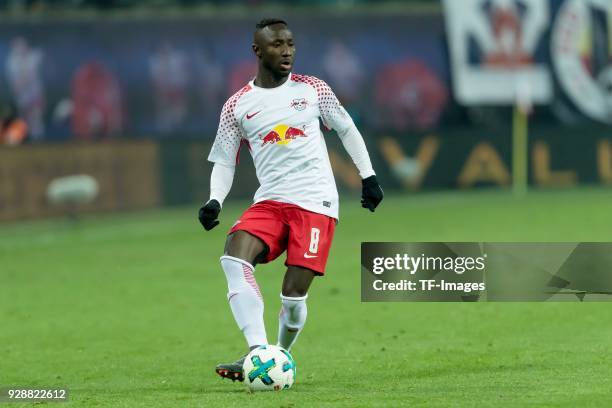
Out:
{"x": 245, "y": 299}
{"x": 291, "y": 320}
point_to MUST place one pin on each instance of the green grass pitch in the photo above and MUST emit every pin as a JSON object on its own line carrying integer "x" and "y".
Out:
{"x": 130, "y": 310}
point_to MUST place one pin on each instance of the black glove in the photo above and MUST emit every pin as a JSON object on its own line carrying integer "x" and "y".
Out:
{"x": 371, "y": 193}
{"x": 208, "y": 214}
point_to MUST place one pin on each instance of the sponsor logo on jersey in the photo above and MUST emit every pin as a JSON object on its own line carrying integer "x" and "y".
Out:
{"x": 299, "y": 104}
{"x": 282, "y": 135}
{"x": 249, "y": 116}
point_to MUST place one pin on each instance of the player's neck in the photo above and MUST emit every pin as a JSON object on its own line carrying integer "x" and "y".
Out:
{"x": 266, "y": 79}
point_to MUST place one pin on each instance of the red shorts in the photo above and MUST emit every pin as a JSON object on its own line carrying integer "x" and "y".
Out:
{"x": 307, "y": 236}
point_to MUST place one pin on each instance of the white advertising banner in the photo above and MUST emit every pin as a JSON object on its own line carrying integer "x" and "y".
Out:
{"x": 492, "y": 45}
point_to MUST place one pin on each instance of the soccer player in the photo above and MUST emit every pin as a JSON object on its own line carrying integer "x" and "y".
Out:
{"x": 296, "y": 206}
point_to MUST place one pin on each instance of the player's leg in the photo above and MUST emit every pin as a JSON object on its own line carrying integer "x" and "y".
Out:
{"x": 297, "y": 281}
{"x": 310, "y": 237}
{"x": 243, "y": 245}
{"x": 254, "y": 239}
{"x": 242, "y": 252}
{"x": 293, "y": 312}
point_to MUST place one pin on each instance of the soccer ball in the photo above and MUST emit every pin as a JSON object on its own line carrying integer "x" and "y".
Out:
{"x": 269, "y": 368}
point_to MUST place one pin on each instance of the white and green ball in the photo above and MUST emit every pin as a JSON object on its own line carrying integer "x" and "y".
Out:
{"x": 269, "y": 368}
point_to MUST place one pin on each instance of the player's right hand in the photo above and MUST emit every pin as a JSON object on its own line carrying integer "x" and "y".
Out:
{"x": 209, "y": 213}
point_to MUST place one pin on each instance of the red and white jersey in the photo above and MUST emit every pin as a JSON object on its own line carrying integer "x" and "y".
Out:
{"x": 281, "y": 127}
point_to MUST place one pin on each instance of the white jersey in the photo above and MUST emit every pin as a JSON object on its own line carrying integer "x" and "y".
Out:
{"x": 281, "y": 128}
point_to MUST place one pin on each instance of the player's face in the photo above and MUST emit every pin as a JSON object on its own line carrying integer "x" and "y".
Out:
{"x": 275, "y": 48}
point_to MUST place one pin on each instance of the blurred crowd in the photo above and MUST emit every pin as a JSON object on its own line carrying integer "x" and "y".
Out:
{"x": 65, "y": 84}
{"x": 149, "y": 77}
{"x": 124, "y": 4}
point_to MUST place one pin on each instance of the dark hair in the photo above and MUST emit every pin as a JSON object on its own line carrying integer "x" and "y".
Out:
{"x": 268, "y": 22}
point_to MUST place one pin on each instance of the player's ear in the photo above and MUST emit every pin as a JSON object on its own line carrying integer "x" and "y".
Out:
{"x": 256, "y": 50}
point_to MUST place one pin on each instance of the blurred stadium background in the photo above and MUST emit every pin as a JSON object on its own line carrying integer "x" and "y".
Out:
{"x": 126, "y": 94}
{"x": 129, "y": 92}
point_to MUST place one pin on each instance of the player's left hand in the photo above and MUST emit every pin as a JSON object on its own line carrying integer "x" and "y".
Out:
{"x": 209, "y": 213}
{"x": 371, "y": 193}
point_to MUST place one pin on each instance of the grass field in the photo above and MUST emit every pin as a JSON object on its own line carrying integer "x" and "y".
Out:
{"x": 130, "y": 310}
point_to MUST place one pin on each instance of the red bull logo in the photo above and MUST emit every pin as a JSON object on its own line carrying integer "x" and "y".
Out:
{"x": 282, "y": 135}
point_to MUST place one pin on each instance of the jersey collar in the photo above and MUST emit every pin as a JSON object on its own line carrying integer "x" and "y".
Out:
{"x": 286, "y": 83}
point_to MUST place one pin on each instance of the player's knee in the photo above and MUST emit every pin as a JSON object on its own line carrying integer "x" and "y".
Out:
{"x": 244, "y": 246}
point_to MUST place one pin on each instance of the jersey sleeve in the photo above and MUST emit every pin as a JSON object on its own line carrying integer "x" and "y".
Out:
{"x": 229, "y": 134}
{"x": 333, "y": 114}
{"x": 335, "y": 117}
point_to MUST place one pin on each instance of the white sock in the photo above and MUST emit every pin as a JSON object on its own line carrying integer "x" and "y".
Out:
{"x": 245, "y": 299}
{"x": 291, "y": 320}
